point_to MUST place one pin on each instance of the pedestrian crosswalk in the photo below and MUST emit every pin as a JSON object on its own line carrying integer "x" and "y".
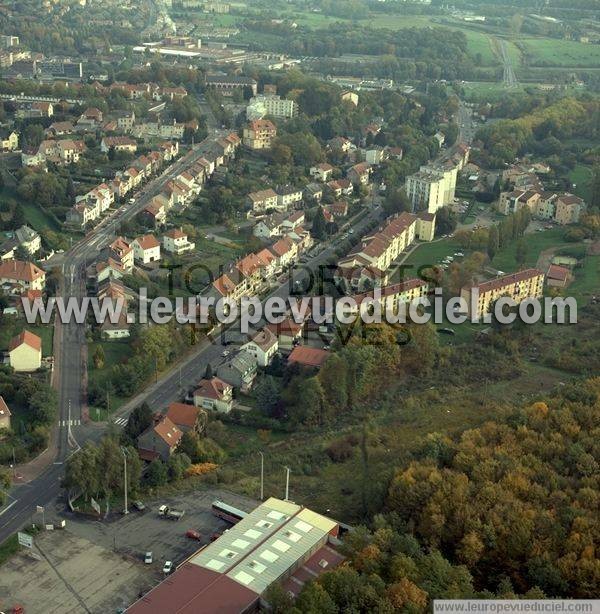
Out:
{"x": 120, "y": 421}
{"x": 70, "y": 422}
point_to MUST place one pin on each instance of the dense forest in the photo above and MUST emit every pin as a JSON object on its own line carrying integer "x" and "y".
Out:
{"x": 507, "y": 510}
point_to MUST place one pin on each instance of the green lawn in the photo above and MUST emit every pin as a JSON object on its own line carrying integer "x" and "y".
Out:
{"x": 587, "y": 280}
{"x": 536, "y": 242}
{"x": 428, "y": 254}
{"x": 115, "y": 352}
{"x": 8, "y": 548}
{"x": 12, "y": 326}
{"x": 581, "y": 176}
{"x": 554, "y": 52}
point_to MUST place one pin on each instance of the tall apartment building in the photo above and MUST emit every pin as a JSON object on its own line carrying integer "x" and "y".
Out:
{"x": 259, "y": 134}
{"x": 262, "y": 105}
{"x": 433, "y": 186}
{"x": 519, "y": 286}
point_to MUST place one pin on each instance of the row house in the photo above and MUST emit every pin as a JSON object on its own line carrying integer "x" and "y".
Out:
{"x": 313, "y": 192}
{"x": 288, "y": 197}
{"x": 375, "y": 253}
{"x": 278, "y": 225}
{"x": 121, "y": 251}
{"x": 562, "y": 208}
{"x": 156, "y": 212}
{"x": 263, "y": 200}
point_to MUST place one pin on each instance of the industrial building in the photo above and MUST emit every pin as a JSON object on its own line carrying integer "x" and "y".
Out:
{"x": 277, "y": 542}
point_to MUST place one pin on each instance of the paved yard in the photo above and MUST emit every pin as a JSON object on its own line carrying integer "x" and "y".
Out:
{"x": 72, "y": 575}
{"x": 136, "y": 533}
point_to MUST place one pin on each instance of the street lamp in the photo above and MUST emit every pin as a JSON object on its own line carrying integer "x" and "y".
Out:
{"x": 287, "y": 483}
{"x": 124, "y": 452}
{"x": 262, "y": 476}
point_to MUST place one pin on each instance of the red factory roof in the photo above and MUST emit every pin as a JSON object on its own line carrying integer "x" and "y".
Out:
{"x": 193, "y": 589}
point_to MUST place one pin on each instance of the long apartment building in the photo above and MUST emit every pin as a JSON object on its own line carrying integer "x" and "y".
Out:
{"x": 519, "y": 286}
{"x": 562, "y": 208}
{"x": 273, "y": 105}
{"x": 370, "y": 259}
{"x": 278, "y": 542}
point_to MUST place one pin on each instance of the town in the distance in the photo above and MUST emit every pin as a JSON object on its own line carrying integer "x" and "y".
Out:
{"x": 203, "y": 161}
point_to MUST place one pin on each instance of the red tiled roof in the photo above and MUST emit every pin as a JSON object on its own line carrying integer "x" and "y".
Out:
{"x": 506, "y": 280}
{"x": 19, "y": 270}
{"x": 25, "y": 337}
{"x": 309, "y": 357}
{"x": 211, "y": 388}
{"x": 4, "y": 411}
{"x": 560, "y": 273}
{"x": 182, "y": 414}
{"x": 147, "y": 241}
{"x": 168, "y": 432}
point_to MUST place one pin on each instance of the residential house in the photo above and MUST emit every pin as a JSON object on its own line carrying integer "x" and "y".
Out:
{"x": 288, "y": 196}
{"x": 146, "y": 249}
{"x": 125, "y": 120}
{"x": 375, "y": 155}
{"x": 286, "y": 252}
{"x": 340, "y": 187}
{"x": 338, "y": 209}
{"x": 90, "y": 119}
{"x": 160, "y": 440}
{"x": 18, "y": 276}
{"x": 214, "y": 394}
{"x": 121, "y": 251}
{"x": 25, "y": 352}
{"x": 263, "y": 346}
{"x": 28, "y": 239}
{"x": 9, "y": 139}
{"x": 341, "y": 143}
{"x": 350, "y": 96}
{"x": 322, "y": 172}
{"x": 313, "y": 192}
{"x": 263, "y": 200}
{"x": 440, "y": 139}
{"x": 568, "y": 209}
{"x": 231, "y": 284}
{"x": 118, "y": 143}
{"x": 259, "y": 134}
{"x": 239, "y": 371}
{"x": 4, "y": 415}
{"x": 115, "y": 330}
{"x": 288, "y": 332}
{"x": 176, "y": 242}
{"x": 360, "y": 173}
{"x": 187, "y": 417}
{"x": 308, "y": 357}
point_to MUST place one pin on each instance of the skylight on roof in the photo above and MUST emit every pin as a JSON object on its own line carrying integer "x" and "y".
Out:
{"x": 215, "y": 565}
{"x": 263, "y": 524}
{"x": 256, "y": 566}
{"x": 275, "y": 515}
{"x": 227, "y": 554}
{"x": 281, "y": 546}
{"x": 293, "y": 536}
{"x": 303, "y": 526}
{"x": 269, "y": 556}
{"x": 252, "y": 534}
{"x": 243, "y": 577}
{"x": 240, "y": 543}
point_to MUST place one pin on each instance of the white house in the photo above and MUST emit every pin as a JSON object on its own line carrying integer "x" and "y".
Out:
{"x": 176, "y": 242}
{"x": 263, "y": 346}
{"x": 146, "y": 249}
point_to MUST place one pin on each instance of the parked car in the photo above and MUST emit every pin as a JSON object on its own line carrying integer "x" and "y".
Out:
{"x": 148, "y": 557}
{"x": 225, "y": 353}
{"x": 193, "y": 534}
{"x": 139, "y": 506}
{"x": 168, "y": 567}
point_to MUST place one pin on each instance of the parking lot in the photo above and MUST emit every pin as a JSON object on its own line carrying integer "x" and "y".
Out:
{"x": 140, "y": 532}
{"x": 72, "y": 575}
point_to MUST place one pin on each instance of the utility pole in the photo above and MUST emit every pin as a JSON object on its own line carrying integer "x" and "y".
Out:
{"x": 287, "y": 484}
{"x": 262, "y": 476}
{"x": 124, "y": 452}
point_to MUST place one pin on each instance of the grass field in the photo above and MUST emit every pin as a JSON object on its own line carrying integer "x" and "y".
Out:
{"x": 553, "y": 52}
{"x": 581, "y": 176}
{"x": 587, "y": 280}
{"x": 536, "y": 243}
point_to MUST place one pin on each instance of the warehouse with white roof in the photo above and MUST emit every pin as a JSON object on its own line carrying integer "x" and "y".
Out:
{"x": 277, "y": 542}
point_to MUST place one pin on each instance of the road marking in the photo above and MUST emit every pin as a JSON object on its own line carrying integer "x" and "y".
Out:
{"x": 8, "y": 507}
{"x": 74, "y": 422}
{"x": 120, "y": 421}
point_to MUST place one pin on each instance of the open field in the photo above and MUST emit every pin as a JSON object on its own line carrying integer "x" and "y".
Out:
{"x": 581, "y": 176}
{"x": 553, "y": 52}
{"x": 535, "y": 243}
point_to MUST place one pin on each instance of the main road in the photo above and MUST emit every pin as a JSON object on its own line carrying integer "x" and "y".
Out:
{"x": 70, "y": 366}
{"x": 70, "y": 359}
